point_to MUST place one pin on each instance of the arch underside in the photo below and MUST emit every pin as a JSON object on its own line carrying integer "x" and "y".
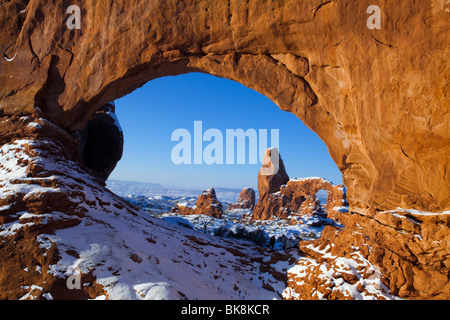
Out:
{"x": 377, "y": 98}
{"x": 366, "y": 93}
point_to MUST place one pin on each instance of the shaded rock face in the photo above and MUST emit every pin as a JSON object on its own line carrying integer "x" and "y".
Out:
{"x": 101, "y": 142}
{"x": 207, "y": 204}
{"x": 246, "y": 200}
{"x": 377, "y": 98}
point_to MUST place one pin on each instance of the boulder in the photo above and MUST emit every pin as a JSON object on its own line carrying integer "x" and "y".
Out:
{"x": 101, "y": 142}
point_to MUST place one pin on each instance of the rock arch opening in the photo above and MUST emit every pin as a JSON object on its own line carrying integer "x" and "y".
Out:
{"x": 151, "y": 114}
{"x": 375, "y": 97}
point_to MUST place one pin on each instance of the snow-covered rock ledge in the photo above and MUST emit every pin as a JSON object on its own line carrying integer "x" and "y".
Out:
{"x": 378, "y": 255}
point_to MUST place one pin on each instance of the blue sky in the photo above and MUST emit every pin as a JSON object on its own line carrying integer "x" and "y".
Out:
{"x": 150, "y": 114}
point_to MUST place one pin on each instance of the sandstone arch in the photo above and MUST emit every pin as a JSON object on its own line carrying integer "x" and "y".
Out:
{"x": 356, "y": 88}
{"x": 377, "y": 98}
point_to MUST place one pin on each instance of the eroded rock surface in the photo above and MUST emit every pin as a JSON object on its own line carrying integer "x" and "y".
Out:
{"x": 377, "y": 98}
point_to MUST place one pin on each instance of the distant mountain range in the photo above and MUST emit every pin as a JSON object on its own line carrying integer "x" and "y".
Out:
{"x": 133, "y": 188}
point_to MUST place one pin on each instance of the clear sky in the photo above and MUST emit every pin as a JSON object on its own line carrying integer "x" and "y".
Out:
{"x": 150, "y": 114}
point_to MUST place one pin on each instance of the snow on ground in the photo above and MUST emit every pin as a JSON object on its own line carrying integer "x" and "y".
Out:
{"x": 130, "y": 253}
{"x": 147, "y": 258}
{"x": 307, "y": 227}
{"x": 146, "y": 253}
{"x": 167, "y": 256}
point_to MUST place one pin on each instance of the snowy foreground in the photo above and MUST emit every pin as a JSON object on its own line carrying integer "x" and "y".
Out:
{"x": 157, "y": 255}
{"x": 147, "y": 258}
{"x": 129, "y": 253}
{"x": 145, "y": 253}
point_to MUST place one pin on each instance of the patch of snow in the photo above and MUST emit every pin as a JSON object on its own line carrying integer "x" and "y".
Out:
{"x": 9, "y": 59}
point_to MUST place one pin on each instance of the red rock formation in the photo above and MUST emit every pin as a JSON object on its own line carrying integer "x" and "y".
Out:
{"x": 377, "y": 98}
{"x": 400, "y": 252}
{"x": 272, "y": 174}
{"x": 207, "y": 204}
{"x": 281, "y": 197}
{"x": 270, "y": 178}
{"x": 246, "y": 200}
{"x": 302, "y": 55}
{"x": 183, "y": 209}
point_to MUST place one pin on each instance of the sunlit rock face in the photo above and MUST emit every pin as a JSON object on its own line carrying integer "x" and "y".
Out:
{"x": 246, "y": 200}
{"x": 378, "y": 98}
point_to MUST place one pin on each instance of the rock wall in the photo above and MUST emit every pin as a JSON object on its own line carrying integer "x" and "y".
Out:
{"x": 399, "y": 253}
{"x": 377, "y": 98}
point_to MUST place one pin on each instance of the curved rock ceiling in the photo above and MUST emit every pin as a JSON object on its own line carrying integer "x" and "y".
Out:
{"x": 377, "y": 98}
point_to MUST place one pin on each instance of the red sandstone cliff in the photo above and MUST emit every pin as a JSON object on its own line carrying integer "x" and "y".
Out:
{"x": 378, "y": 98}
